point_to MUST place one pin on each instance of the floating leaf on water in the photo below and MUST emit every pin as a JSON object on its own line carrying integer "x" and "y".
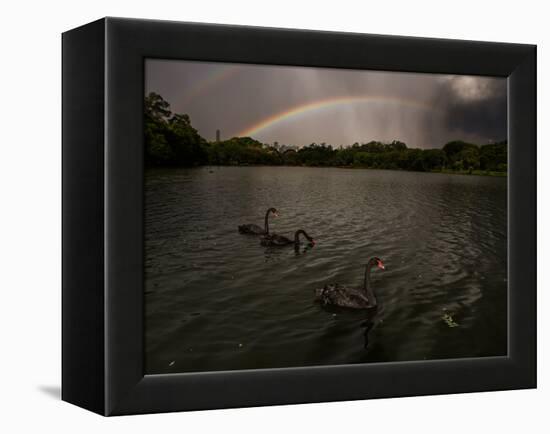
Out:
{"x": 449, "y": 320}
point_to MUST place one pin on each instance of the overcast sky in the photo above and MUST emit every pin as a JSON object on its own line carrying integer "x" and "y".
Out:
{"x": 299, "y": 105}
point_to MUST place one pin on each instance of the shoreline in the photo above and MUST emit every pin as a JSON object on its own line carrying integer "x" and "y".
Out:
{"x": 475, "y": 172}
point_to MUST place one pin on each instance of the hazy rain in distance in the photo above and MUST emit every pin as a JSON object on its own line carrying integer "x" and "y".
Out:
{"x": 300, "y": 105}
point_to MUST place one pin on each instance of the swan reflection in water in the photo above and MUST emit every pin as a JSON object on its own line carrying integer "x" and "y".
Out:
{"x": 346, "y": 321}
{"x": 276, "y": 240}
{"x": 276, "y": 253}
{"x": 368, "y": 324}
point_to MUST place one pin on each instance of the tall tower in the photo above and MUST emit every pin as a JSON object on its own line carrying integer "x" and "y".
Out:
{"x": 218, "y": 135}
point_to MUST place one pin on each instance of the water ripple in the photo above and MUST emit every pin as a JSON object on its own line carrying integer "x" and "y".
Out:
{"x": 217, "y": 300}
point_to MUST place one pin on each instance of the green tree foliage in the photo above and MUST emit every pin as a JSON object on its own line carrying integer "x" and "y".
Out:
{"x": 434, "y": 159}
{"x": 494, "y": 157}
{"x": 157, "y": 113}
{"x": 188, "y": 147}
{"x": 243, "y": 151}
{"x": 170, "y": 139}
{"x": 462, "y": 155}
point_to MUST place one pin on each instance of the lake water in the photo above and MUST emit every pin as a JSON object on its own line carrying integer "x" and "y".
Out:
{"x": 217, "y": 300}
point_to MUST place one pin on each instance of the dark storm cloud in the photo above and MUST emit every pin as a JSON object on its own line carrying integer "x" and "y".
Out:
{"x": 423, "y": 110}
{"x": 474, "y": 106}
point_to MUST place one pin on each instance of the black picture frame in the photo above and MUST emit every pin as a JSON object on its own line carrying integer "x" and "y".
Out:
{"x": 103, "y": 265}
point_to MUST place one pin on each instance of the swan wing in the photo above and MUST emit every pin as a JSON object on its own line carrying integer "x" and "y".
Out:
{"x": 276, "y": 240}
{"x": 251, "y": 229}
{"x": 340, "y": 295}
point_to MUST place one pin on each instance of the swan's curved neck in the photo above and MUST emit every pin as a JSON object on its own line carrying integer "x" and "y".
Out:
{"x": 266, "y": 226}
{"x": 367, "y": 287}
{"x": 297, "y": 236}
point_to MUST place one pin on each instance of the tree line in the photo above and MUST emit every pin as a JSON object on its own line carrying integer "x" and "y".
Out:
{"x": 171, "y": 140}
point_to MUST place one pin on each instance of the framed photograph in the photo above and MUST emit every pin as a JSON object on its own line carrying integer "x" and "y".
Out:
{"x": 256, "y": 216}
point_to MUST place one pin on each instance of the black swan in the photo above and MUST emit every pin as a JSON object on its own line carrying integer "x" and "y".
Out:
{"x": 356, "y": 298}
{"x": 280, "y": 240}
{"x": 252, "y": 229}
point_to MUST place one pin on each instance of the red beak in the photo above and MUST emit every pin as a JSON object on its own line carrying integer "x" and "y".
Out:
{"x": 381, "y": 265}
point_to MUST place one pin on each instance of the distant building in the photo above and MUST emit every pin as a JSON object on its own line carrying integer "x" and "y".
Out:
{"x": 218, "y": 135}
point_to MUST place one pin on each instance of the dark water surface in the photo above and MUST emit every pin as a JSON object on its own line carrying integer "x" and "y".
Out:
{"x": 217, "y": 300}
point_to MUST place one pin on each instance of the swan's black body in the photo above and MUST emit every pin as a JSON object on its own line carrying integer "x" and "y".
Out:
{"x": 277, "y": 240}
{"x": 252, "y": 229}
{"x": 336, "y": 294}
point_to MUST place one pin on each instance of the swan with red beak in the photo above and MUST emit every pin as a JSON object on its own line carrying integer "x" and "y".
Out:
{"x": 363, "y": 297}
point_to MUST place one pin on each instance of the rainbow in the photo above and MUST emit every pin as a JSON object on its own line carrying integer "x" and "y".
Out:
{"x": 212, "y": 79}
{"x": 302, "y": 109}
